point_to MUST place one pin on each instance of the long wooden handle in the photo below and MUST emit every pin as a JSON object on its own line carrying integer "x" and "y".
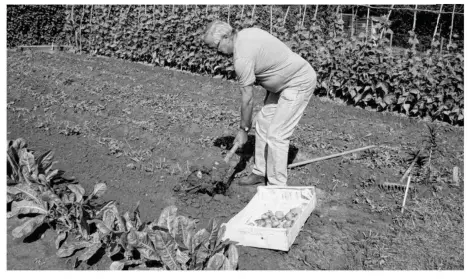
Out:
{"x": 231, "y": 152}
{"x": 328, "y": 157}
{"x": 407, "y": 172}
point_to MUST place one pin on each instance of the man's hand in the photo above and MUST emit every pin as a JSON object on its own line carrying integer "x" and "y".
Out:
{"x": 241, "y": 138}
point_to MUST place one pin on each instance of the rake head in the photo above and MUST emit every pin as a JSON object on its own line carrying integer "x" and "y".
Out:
{"x": 390, "y": 186}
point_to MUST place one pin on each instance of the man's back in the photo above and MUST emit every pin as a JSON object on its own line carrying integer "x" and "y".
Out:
{"x": 259, "y": 55}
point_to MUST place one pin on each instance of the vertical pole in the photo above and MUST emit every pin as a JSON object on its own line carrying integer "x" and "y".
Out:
{"x": 367, "y": 21}
{"x": 285, "y": 16}
{"x": 243, "y": 12}
{"x": 414, "y": 18}
{"x": 253, "y": 12}
{"x": 303, "y": 18}
{"x": 73, "y": 23}
{"x": 451, "y": 27}
{"x": 352, "y": 21}
{"x": 271, "y": 21}
{"x": 81, "y": 20}
{"x": 91, "y": 24}
{"x": 437, "y": 24}
{"x": 442, "y": 44}
{"x": 315, "y": 15}
{"x": 228, "y": 16}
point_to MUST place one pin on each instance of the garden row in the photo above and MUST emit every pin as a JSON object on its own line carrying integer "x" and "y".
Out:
{"x": 362, "y": 71}
{"x": 41, "y": 195}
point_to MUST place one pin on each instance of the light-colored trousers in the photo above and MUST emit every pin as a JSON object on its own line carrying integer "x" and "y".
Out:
{"x": 274, "y": 125}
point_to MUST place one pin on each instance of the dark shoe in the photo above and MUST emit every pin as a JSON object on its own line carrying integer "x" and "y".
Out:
{"x": 252, "y": 179}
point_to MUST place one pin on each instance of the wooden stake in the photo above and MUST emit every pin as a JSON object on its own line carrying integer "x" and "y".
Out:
{"x": 367, "y": 22}
{"x": 352, "y": 21}
{"x": 285, "y": 16}
{"x": 243, "y": 12}
{"x": 451, "y": 27}
{"x": 315, "y": 15}
{"x": 73, "y": 23}
{"x": 303, "y": 18}
{"x": 414, "y": 18}
{"x": 406, "y": 194}
{"x": 442, "y": 44}
{"x": 91, "y": 23}
{"x": 253, "y": 12}
{"x": 271, "y": 20}
{"x": 437, "y": 24}
{"x": 455, "y": 175}
{"x": 228, "y": 17}
{"x": 81, "y": 20}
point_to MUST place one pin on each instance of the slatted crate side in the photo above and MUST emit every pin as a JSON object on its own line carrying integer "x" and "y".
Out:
{"x": 271, "y": 198}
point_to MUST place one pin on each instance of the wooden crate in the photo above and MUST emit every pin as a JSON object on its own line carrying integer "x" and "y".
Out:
{"x": 274, "y": 199}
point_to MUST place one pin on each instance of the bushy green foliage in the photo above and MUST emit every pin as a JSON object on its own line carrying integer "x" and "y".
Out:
{"x": 364, "y": 72}
{"x": 35, "y": 24}
{"x": 361, "y": 70}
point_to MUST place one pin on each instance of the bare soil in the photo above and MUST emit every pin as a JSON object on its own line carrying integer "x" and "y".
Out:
{"x": 141, "y": 129}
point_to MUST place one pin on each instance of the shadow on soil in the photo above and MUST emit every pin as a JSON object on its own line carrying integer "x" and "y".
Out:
{"x": 37, "y": 234}
{"x": 247, "y": 152}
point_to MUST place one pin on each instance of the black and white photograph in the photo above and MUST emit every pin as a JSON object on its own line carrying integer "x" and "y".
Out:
{"x": 186, "y": 136}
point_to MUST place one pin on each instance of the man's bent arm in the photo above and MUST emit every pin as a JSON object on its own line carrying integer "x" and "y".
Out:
{"x": 247, "y": 106}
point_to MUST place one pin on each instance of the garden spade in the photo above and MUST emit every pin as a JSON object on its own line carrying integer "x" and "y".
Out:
{"x": 214, "y": 178}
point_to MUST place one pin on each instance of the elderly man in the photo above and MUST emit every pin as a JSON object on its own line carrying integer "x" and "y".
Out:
{"x": 289, "y": 81}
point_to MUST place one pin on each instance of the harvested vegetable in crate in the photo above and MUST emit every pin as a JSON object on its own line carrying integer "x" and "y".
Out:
{"x": 277, "y": 219}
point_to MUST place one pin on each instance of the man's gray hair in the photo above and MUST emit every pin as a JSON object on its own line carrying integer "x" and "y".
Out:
{"x": 215, "y": 31}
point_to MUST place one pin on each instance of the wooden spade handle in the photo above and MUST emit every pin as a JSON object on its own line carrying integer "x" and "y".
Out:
{"x": 231, "y": 152}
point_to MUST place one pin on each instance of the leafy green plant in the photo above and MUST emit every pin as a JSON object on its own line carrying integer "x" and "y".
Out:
{"x": 35, "y": 24}
{"x": 171, "y": 241}
{"x": 66, "y": 212}
{"x": 24, "y": 167}
{"x": 175, "y": 242}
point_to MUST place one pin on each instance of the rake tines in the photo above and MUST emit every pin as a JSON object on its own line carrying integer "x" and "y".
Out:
{"x": 389, "y": 186}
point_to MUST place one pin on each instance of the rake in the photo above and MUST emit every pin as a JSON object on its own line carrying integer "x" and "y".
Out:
{"x": 400, "y": 186}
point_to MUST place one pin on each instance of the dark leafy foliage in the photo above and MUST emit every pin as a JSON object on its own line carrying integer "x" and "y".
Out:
{"x": 35, "y": 24}
{"x": 362, "y": 70}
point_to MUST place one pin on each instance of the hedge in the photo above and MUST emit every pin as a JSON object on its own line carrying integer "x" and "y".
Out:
{"x": 363, "y": 70}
